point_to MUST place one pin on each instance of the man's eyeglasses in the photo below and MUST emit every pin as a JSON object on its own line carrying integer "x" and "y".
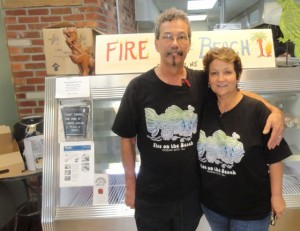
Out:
{"x": 169, "y": 39}
{"x": 273, "y": 219}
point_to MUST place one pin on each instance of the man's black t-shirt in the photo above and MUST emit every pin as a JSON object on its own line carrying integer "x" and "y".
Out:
{"x": 164, "y": 118}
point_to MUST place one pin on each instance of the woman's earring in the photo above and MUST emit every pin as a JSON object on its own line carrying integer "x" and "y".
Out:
{"x": 208, "y": 85}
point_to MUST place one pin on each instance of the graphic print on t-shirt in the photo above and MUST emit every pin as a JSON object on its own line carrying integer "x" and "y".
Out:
{"x": 173, "y": 125}
{"x": 218, "y": 153}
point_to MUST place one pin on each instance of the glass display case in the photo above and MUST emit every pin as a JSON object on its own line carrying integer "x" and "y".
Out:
{"x": 281, "y": 87}
{"x": 71, "y": 202}
{"x": 96, "y": 200}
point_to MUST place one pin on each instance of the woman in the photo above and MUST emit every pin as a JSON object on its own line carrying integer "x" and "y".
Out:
{"x": 241, "y": 177}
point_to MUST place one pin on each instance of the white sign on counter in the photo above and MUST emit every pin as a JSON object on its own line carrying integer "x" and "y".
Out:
{"x": 77, "y": 164}
{"x": 72, "y": 87}
{"x": 100, "y": 189}
{"x": 136, "y": 53}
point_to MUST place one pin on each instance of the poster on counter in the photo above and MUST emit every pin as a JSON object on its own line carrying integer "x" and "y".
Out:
{"x": 136, "y": 53}
{"x": 77, "y": 164}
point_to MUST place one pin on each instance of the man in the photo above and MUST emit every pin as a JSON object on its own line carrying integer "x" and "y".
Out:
{"x": 160, "y": 111}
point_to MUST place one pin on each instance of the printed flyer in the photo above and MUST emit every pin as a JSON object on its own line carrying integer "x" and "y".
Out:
{"x": 77, "y": 164}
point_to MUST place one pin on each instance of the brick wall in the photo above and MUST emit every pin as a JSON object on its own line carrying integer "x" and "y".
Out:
{"x": 24, "y": 26}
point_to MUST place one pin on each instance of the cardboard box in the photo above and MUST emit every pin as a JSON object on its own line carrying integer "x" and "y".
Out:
{"x": 11, "y": 162}
{"x": 57, "y": 52}
{"x": 5, "y": 139}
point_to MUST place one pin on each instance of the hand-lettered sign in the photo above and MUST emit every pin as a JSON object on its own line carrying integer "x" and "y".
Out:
{"x": 136, "y": 53}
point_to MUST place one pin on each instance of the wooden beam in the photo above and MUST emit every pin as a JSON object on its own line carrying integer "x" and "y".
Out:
{"x": 36, "y": 3}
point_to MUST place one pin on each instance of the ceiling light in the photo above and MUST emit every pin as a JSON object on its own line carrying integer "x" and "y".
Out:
{"x": 199, "y": 17}
{"x": 201, "y": 5}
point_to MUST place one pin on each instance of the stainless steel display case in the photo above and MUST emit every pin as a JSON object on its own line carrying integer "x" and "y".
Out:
{"x": 71, "y": 208}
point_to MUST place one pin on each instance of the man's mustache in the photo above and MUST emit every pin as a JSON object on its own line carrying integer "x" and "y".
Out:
{"x": 178, "y": 52}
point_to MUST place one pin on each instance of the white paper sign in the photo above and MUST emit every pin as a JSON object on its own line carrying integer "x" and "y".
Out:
{"x": 101, "y": 185}
{"x": 72, "y": 87}
{"x": 77, "y": 164}
{"x": 136, "y": 53}
{"x": 33, "y": 152}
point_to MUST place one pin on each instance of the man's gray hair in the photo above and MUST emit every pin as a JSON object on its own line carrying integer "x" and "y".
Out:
{"x": 170, "y": 15}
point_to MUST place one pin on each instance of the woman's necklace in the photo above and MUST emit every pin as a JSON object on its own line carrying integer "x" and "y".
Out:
{"x": 222, "y": 111}
{"x": 229, "y": 105}
{"x": 225, "y": 110}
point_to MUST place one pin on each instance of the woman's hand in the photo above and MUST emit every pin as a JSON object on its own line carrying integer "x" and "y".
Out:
{"x": 278, "y": 205}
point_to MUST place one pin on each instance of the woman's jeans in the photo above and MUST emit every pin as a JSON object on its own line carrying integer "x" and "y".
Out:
{"x": 218, "y": 222}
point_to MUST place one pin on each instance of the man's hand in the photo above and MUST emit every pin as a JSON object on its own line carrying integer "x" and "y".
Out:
{"x": 275, "y": 122}
{"x": 128, "y": 161}
{"x": 130, "y": 195}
